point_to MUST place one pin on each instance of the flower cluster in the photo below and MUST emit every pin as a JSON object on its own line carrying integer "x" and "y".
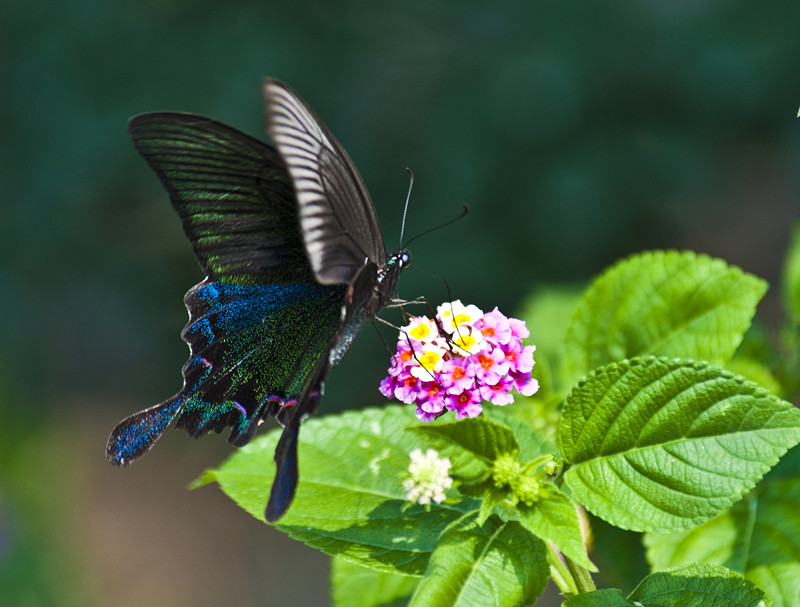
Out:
{"x": 429, "y": 476}
{"x": 458, "y": 359}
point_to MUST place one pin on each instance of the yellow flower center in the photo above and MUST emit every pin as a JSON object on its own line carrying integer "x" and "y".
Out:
{"x": 429, "y": 359}
{"x": 465, "y": 342}
{"x": 460, "y": 319}
{"x": 420, "y": 332}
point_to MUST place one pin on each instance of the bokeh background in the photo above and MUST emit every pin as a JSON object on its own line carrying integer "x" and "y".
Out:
{"x": 576, "y": 133}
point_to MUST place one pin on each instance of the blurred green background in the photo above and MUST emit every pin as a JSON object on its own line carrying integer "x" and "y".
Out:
{"x": 576, "y": 133}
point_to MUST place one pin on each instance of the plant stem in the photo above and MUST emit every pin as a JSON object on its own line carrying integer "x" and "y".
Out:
{"x": 560, "y": 574}
{"x": 580, "y": 576}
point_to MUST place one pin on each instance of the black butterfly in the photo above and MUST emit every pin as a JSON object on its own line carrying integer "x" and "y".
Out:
{"x": 295, "y": 262}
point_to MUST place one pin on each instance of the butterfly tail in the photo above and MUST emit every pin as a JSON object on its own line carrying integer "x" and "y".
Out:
{"x": 285, "y": 483}
{"x": 134, "y": 435}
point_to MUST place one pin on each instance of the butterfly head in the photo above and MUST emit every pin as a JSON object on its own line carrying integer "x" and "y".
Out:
{"x": 396, "y": 263}
{"x": 401, "y": 259}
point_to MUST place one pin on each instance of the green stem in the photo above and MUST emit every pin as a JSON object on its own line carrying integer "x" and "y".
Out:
{"x": 560, "y": 574}
{"x": 581, "y": 576}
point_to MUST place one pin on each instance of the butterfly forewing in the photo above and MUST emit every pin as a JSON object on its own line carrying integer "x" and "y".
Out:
{"x": 338, "y": 222}
{"x": 233, "y": 194}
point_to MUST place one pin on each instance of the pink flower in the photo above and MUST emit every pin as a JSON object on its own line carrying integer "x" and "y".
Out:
{"x": 424, "y": 416}
{"x": 465, "y": 404}
{"x": 518, "y": 328}
{"x": 457, "y": 375}
{"x": 519, "y": 357}
{"x": 491, "y": 365}
{"x": 525, "y": 384}
{"x": 495, "y": 327}
{"x": 525, "y": 359}
{"x": 499, "y": 393}
{"x": 458, "y": 360}
{"x": 406, "y": 389}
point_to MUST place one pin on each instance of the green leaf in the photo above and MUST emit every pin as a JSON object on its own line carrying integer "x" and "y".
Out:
{"x": 356, "y": 586}
{"x": 609, "y": 597}
{"x": 791, "y": 277}
{"x": 754, "y": 371}
{"x": 660, "y": 445}
{"x": 498, "y": 564}
{"x": 663, "y": 303}
{"x": 350, "y": 499}
{"x": 479, "y": 436}
{"x": 555, "y": 518}
{"x": 759, "y": 537}
{"x": 532, "y": 442}
{"x": 692, "y": 586}
{"x": 470, "y": 444}
{"x": 494, "y": 499}
{"x": 701, "y": 585}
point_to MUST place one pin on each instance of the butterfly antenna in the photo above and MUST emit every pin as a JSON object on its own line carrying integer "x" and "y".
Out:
{"x": 439, "y": 227}
{"x": 405, "y": 208}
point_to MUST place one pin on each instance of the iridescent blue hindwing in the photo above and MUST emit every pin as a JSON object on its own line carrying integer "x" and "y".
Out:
{"x": 252, "y": 349}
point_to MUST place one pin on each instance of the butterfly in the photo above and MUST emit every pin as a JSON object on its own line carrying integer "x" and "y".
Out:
{"x": 294, "y": 260}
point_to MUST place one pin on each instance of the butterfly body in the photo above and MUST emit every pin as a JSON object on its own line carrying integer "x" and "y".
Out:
{"x": 294, "y": 260}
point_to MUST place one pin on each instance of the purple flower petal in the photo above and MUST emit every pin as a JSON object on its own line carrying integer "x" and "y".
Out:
{"x": 458, "y": 374}
{"x": 490, "y": 366}
{"x": 495, "y": 327}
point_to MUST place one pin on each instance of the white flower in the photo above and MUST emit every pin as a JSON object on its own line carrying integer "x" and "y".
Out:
{"x": 430, "y": 359}
{"x": 468, "y": 340}
{"x": 422, "y": 328}
{"x": 455, "y": 314}
{"x": 429, "y": 477}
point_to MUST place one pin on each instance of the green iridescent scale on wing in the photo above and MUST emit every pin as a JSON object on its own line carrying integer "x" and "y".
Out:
{"x": 252, "y": 350}
{"x": 233, "y": 194}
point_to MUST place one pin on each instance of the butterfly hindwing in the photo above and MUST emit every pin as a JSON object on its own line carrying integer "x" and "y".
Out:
{"x": 136, "y": 434}
{"x": 252, "y": 349}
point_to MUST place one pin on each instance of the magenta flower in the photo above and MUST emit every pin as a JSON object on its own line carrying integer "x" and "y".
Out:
{"x": 458, "y": 360}
{"x": 404, "y": 355}
{"x": 457, "y": 375}
{"x": 434, "y": 399}
{"x": 499, "y": 393}
{"x": 388, "y": 384}
{"x": 495, "y": 326}
{"x": 466, "y": 404}
{"x": 406, "y": 388}
{"x": 491, "y": 365}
